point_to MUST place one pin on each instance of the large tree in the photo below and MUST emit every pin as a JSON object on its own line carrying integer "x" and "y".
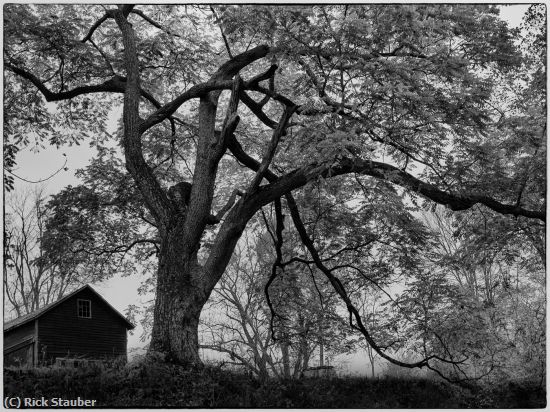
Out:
{"x": 400, "y": 94}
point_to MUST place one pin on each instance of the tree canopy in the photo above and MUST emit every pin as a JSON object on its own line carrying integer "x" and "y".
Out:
{"x": 343, "y": 120}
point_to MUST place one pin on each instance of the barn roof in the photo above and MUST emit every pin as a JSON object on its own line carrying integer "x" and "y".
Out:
{"x": 21, "y": 320}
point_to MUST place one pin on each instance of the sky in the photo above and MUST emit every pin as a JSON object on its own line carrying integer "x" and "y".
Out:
{"x": 121, "y": 292}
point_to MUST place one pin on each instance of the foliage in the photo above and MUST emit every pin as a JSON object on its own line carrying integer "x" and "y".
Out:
{"x": 32, "y": 278}
{"x": 481, "y": 300}
{"x": 159, "y": 385}
{"x": 101, "y": 223}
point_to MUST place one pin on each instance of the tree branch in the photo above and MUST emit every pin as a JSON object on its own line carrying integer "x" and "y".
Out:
{"x": 95, "y": 27}
{"x": 278, "y": 243}
{"x": 232, "y": 354}
{"x": 154, "y": 196}
{"x": 232, "y": 119}
{"x": 270, "y": 149}
{"x": 117, "y": 84}
{"x": 154, "y": 23}
{"x": 389, "y": 173}
{"x": 267, "y": 75}
{"x": 114, "y": 85}
{"x": 381, "y": 171}
{"x": 257, "y": 110}
{"x": 230, "y": 202}
{"x": 339, "y": 288}
{"x": 219, "y": 80}
{"x": 222, "y": 33}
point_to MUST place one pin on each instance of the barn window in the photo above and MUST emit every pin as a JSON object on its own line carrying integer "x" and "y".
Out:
{"x": 84, "y": 308}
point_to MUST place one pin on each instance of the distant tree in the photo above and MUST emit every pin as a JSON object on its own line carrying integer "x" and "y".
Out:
{"x": 400, "y": 95}
{"x": 479, "y": 300}
{"x": 31, "y": 279}
{"x": 278, "y": 341}
{"x": 371, "y": 312}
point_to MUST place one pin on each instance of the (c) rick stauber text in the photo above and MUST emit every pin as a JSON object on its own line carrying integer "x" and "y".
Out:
{"x": 15, "y": 402}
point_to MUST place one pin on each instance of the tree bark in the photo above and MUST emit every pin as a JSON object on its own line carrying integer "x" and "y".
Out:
{"x": 285, "y": 351}
{"x": 179, "y": 302}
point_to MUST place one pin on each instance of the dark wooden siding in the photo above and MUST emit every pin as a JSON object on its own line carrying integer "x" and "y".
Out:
{"x": 21, "y": 357}
{"x": 19, "y": 334}
{"x": 62, "y": 333}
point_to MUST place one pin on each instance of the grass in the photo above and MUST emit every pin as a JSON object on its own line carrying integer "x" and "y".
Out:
{"x": 164, "y": 385}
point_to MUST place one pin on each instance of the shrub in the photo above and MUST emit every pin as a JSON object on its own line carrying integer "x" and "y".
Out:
{"x": 148, "y": 382}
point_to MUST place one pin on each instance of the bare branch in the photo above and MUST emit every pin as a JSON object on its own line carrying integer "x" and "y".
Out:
{"x": 339, "y": 288}
{"x": 40, "y": 180}
{"x": 278, "y": 243}
{"x": 154, "y": 23}
{"x": 222, "y": 33}
{"x": 95, "y": 27}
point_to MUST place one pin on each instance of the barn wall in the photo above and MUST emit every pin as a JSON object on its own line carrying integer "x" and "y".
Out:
{"x": 22, "y": 357}
{"x": 16, "y": 335}
{"x": 62, "y": 333}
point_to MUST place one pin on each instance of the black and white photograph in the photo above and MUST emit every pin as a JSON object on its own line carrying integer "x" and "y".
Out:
{"x": 274, "y": 205}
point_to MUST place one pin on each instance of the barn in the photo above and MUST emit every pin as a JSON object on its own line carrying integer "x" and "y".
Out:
{"x": 80, "y": 325}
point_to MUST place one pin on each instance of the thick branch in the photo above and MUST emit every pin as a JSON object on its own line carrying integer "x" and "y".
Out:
{"x": 235, "y": 147}
{"x": 114, "y": 85}
{"x": 383, "y": 171}
{"x": 154, "y": 196}
{"x": 117, "y": 84}
{"x": 300, "y": 177}
{"x": 268, "y": 74}
{"x": 230, "y": 202}
{"x": 234, "y": 65}
{"x": 272, "y": 146}
{"x": 453, "y": 201}
{"x": 126, "y": 9}
{"x": 220, "y": 80}
{"x": 232, "y": 119}
{"x": 257, "y": 110}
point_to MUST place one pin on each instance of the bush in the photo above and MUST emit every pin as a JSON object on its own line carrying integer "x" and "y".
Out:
{"x": 152, "y": 383}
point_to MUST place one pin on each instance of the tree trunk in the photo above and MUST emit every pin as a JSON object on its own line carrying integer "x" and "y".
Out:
{"x": 178, "y": 305}
{"x": 286, "y": 358}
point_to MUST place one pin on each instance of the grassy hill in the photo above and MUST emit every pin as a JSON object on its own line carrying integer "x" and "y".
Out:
{"x": 163, "y": 385}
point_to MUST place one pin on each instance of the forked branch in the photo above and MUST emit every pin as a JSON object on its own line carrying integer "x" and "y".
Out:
{"x": 214, "y": 219}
